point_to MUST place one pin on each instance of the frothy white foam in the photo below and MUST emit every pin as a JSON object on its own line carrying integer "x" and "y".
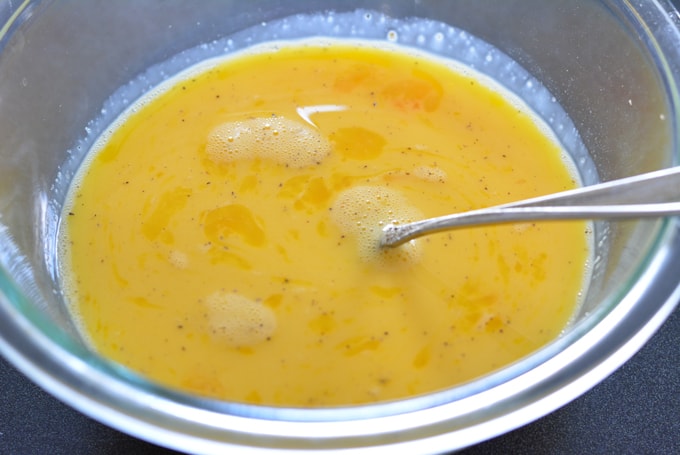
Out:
{"x": 363, "y": 211}
{"x": 279, "y": 139}
{"x": 238, "y": 320}
{"x": 178, "y": 259}
{"x": 430, "y": 174}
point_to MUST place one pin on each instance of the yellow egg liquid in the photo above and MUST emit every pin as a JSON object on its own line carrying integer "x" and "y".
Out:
{"x": 223, "y": 239}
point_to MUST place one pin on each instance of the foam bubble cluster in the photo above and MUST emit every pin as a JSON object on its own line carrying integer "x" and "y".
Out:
{"x": 431, "y": 174}
{"x": 238, "y": 320}
{"x": 363, "y": 211}
{"x": 280, "y": 139}
{"x": 178, "y": 259}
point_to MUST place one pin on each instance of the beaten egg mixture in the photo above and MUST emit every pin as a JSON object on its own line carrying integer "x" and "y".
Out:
{"x": 223, "y": 238}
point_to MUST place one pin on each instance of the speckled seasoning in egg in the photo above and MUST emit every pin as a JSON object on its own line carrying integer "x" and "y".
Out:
{"x": 224, "y": 237}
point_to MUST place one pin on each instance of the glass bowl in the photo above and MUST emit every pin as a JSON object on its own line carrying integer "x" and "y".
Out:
{"x": 611, "y": 68}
